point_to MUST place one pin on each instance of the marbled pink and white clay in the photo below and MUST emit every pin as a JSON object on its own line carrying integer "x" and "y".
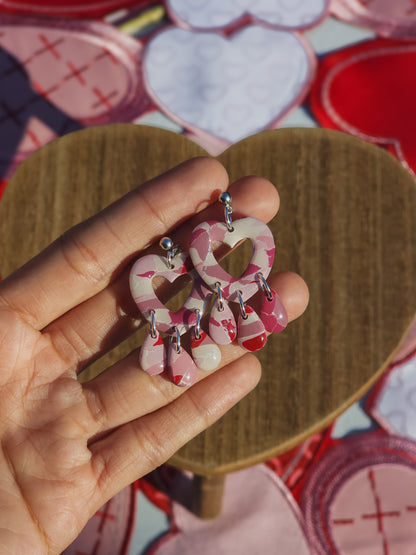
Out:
{"x": 180, "y": 365}
{"x": 206, "y": 234}
{"x": 251, "y": 331}
{"x": 222, "y": 324}
{"x": 252, "y": 335}
{"x": 205, "y": 352}
{"x": 152, "y": 357}
{"x": 206, "y": 275}
{"x": 181, "y": 368}
{"x": 273, "y": 314}
{"x": 141, "y": 276}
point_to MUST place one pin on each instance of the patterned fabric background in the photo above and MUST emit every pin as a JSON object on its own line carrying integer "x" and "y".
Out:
{"x": 219, "y": 71}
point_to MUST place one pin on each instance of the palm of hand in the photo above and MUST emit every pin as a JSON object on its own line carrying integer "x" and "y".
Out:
{"x": 48, "y": 480}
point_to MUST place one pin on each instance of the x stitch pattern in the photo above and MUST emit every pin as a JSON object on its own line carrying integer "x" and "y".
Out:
{"x": 58, "y": 80}
{"x": 362, "y": 493}
{"x": 51, "y": 46}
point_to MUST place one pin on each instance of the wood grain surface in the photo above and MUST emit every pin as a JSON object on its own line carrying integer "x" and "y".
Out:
{"x": 346, "y": 224}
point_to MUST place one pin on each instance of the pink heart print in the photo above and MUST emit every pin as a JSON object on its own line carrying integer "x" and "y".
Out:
{"x": 287, "y": 14}
{"x": 222, "y": 89}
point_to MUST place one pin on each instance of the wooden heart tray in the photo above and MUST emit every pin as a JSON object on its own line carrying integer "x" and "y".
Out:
{"x": 346, "y": 224}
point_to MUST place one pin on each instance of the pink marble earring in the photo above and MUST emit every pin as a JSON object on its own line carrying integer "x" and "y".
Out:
{"x": 153, "y": 358}
{"x": 251, "y": 328}
{"x": 208, "y": 279}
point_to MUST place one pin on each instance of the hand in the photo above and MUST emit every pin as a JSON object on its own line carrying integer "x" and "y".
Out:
{"x": 66, "y": 447}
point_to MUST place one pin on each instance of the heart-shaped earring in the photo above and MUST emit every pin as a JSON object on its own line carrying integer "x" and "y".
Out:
{"x": 181, "y": 366}
{"x": 207, "y": 278}
{"x": 251, "y": 327}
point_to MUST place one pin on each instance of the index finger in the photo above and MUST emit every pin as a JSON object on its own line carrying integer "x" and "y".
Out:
{"x": 82, "y": 262}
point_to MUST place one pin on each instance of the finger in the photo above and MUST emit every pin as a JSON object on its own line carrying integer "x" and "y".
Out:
{"x": 140, "y": 446}
{"x": 123, "y": 392}
{"x": 293, "y": 292}
{"x": 102, "y": 322}
{"x": 85, "y": 259}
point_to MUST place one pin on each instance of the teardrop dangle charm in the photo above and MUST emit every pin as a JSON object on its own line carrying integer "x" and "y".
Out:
{"x": 222, "y": 326}
{"x": 152, "y": 357}
{"x": 181, "y": 367}
{"x": 251, "y": 332}
{"x": 273, "y": 314}
{"x": 205, "y": 352}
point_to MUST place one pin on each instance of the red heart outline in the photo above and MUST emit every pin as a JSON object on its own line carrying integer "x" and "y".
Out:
{"x": 367, "y": 90}
{"x": 68, "y": 8}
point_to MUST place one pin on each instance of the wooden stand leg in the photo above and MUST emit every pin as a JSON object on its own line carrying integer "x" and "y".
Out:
{"x": 207, "y": 494}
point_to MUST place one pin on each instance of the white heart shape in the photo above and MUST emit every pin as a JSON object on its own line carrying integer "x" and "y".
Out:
{"x": 228, "y": 88}
{"x": 291, "y": 14}
{"x": 393, "y": 405}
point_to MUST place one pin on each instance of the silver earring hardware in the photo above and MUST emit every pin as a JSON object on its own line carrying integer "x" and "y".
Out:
{"x": 265, "y": 287}
{"x": 225, "y": 199}
{"x": 198, "y": 324}
{"x": 242, "y": 306}
{"x": 176, "y": 335}
{"x": 172, "y": 250}
{"x": 152, "y": 325}
{"x": 220, "y": 297}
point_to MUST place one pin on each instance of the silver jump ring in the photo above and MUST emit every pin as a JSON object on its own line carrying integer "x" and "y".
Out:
{"x": 198, "y": 324}
{"x": 227, "y": 215}
{"x": 152, "y": 325}
{"x": 242, "y": 306}
{"x": 170, "y": 256}
{"x": 172, "y": 250}
{"x": 178, "y": 339}
{"x": 176, "y": 249}
{"x": 265, "y": 287}
{"x": 225, "y": 199}
{"x": 220, "y": 297}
